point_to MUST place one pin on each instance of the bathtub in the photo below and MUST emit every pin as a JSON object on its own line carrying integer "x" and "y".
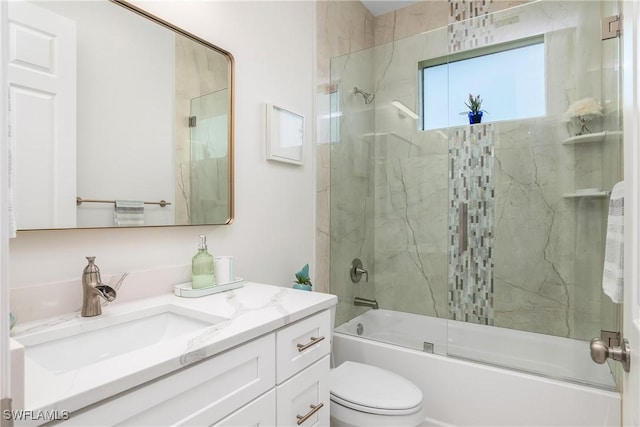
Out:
{"x": 461, "y": 392}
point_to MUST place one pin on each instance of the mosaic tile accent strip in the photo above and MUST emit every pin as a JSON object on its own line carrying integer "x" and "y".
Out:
{"x": 470, "y": 24}
{"x": 461, "y": 10}
{"x": 471, "y": 222}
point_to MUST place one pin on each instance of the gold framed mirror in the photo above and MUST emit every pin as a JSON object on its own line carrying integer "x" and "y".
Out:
{"x": 118, "y": 119}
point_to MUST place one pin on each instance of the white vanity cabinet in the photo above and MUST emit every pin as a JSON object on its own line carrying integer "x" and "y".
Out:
{"x": 304, "y": 399}
{"x": 302, "y": 372}
{"x": 260, "y": 412}
{"x": 280, "y": 378}
{"x": 301, "y": 393}
{"x": 199, "y": 394}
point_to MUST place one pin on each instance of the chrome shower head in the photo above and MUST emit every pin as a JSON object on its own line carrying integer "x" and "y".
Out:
{"x": 368, "y": 97}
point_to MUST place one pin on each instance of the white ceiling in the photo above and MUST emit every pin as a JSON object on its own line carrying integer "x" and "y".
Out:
{"x": 380, "y": 7}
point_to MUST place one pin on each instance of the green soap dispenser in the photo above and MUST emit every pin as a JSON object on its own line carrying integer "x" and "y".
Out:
{"x": 202, "y": 267}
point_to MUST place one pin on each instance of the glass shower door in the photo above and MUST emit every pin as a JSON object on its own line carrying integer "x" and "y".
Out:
{"x": 208, "y": 154}
{"x": 528, "y": 203}
{"x": 352, "y": 180}
{"x": 612, "y": 161}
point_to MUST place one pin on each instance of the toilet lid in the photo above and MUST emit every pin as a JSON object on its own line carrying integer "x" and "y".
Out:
{"x": 374, "y": 390}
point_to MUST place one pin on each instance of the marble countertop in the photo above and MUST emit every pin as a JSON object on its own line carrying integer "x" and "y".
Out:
{"x": 250, "y": 311}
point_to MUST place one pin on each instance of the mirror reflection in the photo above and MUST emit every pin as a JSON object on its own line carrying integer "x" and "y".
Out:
{"x": 117, "y": 119}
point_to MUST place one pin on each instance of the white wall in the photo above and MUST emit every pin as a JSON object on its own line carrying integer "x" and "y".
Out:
{"x": 125, "y": 110}
{"x": 272, "y": 235}
{"x": 135, "y": 115}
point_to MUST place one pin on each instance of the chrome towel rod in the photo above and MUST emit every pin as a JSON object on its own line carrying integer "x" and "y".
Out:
{"x": 80, "y": 200}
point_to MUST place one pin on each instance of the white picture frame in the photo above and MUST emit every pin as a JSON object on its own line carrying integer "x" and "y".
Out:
{"x": 285, "y": 135}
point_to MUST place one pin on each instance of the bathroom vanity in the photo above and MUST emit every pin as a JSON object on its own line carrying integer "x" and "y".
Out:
{"x": 254, "y": 355}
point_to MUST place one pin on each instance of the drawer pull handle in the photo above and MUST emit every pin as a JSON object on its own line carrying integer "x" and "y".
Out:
{"x": 314, "y": 409}
{"x": 314, "y": 341}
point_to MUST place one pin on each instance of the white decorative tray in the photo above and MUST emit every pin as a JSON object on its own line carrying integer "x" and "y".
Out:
{"x": 185, "y": 290}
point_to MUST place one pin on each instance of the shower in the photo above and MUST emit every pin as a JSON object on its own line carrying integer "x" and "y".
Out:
{"x": 368, "y": 97}
{"x": 498, "y": 225}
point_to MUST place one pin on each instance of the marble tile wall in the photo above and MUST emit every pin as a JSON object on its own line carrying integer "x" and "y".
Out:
{"x": 410, "y": 21}
{"x": 411, "y": 223}
{"x": 411, "y": 185}
{"x": 547, "y": 249}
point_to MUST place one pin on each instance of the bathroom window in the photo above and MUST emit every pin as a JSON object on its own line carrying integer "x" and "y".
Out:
{"x": 510, "y": 79}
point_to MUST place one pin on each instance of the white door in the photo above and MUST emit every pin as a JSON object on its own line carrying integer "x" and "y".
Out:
{"x": 42, "y": 117}
{"x": 631, "y": 102}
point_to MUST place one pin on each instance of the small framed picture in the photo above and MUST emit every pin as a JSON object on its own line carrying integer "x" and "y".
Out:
{"x": 285, "y": 135}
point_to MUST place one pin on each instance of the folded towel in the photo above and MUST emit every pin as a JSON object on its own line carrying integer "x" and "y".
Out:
{"x": 128, "y": 213}
{"x": 613, "y": 274}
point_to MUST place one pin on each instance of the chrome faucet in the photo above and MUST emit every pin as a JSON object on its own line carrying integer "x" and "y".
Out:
{"x": 366, "y": 302}
{"x": 92, "y": 288}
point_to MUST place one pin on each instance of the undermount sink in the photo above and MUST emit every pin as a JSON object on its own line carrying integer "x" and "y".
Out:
{"x": 92, "y": 340}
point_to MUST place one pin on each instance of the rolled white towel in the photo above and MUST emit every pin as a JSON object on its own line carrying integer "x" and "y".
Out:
{"x": 613, "y": 273}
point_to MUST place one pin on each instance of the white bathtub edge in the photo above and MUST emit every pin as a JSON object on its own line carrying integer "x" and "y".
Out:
{"x": 457, "y": 392}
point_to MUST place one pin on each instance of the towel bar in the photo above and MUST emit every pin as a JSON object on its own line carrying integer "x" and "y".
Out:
{"x": 80, "y": 200}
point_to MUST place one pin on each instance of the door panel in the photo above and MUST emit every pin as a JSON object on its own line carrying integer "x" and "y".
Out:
{"x": 42, "y": 91}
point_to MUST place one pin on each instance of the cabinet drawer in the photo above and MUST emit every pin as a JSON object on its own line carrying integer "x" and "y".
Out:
{"x": 301, "y": 344}
{"x": 304, "y": 398}
{"x": 199, "y": 395}
{"x": 260, "y": 412}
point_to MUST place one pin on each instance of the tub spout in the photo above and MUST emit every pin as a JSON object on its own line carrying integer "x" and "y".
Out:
{"x": 365, "y": 302}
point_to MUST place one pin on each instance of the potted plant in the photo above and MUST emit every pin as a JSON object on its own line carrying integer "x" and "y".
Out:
{"x": 475, "y": 113}
{"x": 302, "y": 279}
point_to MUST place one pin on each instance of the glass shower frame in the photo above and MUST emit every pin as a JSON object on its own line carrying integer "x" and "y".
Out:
{"x": 209, "y": 154}
{"x": 392, "y": 197}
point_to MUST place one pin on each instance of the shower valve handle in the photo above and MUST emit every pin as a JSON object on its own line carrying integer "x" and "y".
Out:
{"x": 600, "y": 352}
{"x": 357, "y": 271}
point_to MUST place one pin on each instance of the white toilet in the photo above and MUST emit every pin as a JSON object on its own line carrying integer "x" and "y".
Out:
{"x": 364, "y": 395}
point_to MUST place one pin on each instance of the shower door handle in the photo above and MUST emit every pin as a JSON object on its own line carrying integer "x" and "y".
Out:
{"x": 463, "y": 238}
{"x": 600, "y": 352}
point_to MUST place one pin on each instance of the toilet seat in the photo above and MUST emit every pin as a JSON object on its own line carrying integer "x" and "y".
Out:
{"x": 373, "y": 390}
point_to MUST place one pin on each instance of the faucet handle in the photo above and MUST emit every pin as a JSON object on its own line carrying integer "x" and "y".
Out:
{"x": 357, "y": 271}
{"x": 91, "y": 273}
